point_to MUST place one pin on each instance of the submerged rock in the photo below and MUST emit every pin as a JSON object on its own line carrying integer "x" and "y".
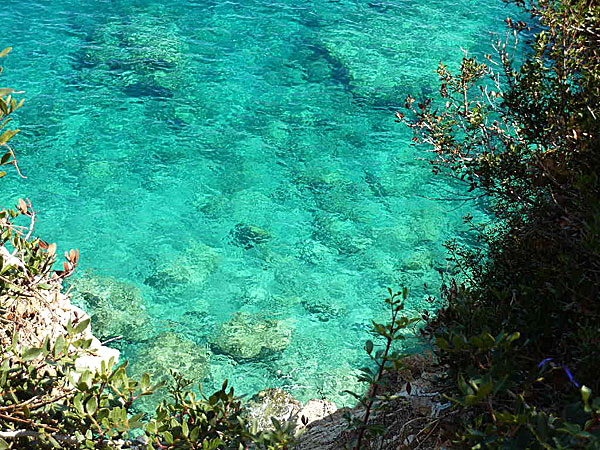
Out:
{"x": 142, "y": 89}
{"x": 322, "y": 309}
{"x": 133, "y": 64}
{"x": 116, "y": 308}
{"x": 170, "y": 351}
{"x": 192, "y": 266}
{"x": 167, "y": 352}
{"x": 141, "y": 55}
{"x": 342, "y": 235}
{"x": 378, "y": 74}
{"x": 332, "y": 191}
{"x": 247, "y": 336}
{"x": 315, "y": 252}
{"x": 248, "y": 236}
{"x": 375, "y": 185}
{"x": 422, "y": 260}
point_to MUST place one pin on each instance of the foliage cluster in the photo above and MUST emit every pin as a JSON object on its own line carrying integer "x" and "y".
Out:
{"x": 520, "y": 335}
{"x": 46, "y": 401}
{"x": 387, "y": 361}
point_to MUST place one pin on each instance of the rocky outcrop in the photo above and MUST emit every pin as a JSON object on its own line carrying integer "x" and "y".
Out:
{"x": 413, "y": 406}
{"x": 247, "y": 336}
{"x": 56, "y": 317}
{"x": 279, "y": 404}
{"x": 168, "y": 351}
{"x": 47, "y": 313}
{"x": 411, "y": 417}
{"x": 117, "y": 308}
{"x": 313, "y": 410}
{"x": 272, "y": 403}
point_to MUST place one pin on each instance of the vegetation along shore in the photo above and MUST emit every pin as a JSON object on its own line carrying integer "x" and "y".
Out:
{"x": 509, "y": 360}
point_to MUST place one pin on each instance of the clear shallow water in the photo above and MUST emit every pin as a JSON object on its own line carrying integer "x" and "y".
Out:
{"x": 155, "y": 127}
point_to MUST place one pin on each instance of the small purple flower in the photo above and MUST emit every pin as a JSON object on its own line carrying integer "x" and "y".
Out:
{"x": 543, "y": 362}
{"x": 572, "y": 379}
{"x": 570, "y": 375}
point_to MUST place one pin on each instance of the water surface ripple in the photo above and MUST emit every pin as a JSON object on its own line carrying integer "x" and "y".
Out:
{"x": 238, "y": 161}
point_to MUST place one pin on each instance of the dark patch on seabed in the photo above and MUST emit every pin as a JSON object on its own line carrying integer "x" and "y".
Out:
{"x": 339, "y": 72}
{"x": 142, "y": 89}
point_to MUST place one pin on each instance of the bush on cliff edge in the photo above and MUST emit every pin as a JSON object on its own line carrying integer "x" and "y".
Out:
{"x": 520, "y": 336}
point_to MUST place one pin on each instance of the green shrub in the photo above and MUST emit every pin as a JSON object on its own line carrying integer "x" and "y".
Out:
{"x": 387, "y": 362}
{"x": 520, "y": 334}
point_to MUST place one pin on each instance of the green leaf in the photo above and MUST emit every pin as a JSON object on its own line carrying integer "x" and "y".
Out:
{"x": 15, "y": 337}
{"x": 457, "y": 342}
{"x": 463, "y": 386}
{"x": 91, "y": 406}
{"x": 31, "y": 353}
{"x": 366, "y": 370}
{"x": 513, "y": 337}
{"x": 69, "y": 327}
{"x": 442, "y": 343}
{"x": 353, "y": 394}
{"x": 151, "y": 427}
{"x": 586, "y": 392}
{"x": 59, "y": 345}
{"x": 7, "y": 135}
{"x": 168, "y": 437}
{"x": 78, "y": 404}
{"x": 145, "y": 382}
{"x": 53, "y": 441}
{"x": 83, "y": 344}
{"x": 369, "y": 346}
{"x": 46, "y": 346}
{"x": 84, "y": 381}
{"x": 81, "y": 326}
{"x": 276, "y": 423}
{"x": 3, "y": 444}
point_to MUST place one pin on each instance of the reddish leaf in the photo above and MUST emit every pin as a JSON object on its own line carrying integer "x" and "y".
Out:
{"x": 22, "y": 206}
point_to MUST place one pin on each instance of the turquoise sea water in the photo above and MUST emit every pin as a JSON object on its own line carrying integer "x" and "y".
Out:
{"x": 235, "y": 156}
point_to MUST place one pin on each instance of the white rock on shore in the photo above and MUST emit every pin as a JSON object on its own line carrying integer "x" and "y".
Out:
{"x": 277, "y": 403}
{"x": 60, "y": 311}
